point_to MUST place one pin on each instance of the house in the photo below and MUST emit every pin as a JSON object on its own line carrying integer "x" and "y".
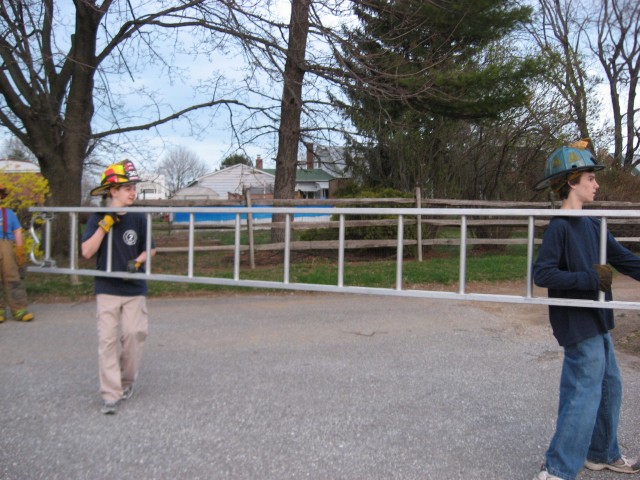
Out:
{"x": 329, "y": 159}
{"x": 309, "y": 183}
{"x": 325, "y": 168}
{"x": 8, "y": 165}
{"x": 195, "y": 192}
{"x": 153, "y": 187}
{"x": 233, "y": 183}
{"x": 228, "y": 182}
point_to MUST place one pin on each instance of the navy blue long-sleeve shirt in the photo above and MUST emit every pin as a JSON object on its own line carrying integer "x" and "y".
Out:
{"x": 565, "y": 265}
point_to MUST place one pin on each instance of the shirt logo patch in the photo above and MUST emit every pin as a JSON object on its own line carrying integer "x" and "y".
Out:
{"x": 130, "y": 237}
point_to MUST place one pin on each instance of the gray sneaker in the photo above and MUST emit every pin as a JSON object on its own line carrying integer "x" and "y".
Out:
{"x": 109, "y": 408}
{"x": 622, "y": 465}
{"x": 127, "y": 392}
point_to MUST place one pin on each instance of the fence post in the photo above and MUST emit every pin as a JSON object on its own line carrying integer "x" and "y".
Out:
{"x": 419, "y": 223}
{"x": 252, "y": 260}
{"x": 73, "y": 250}
{"x": 463, "y": 254}
{"x": 531, "y": 238}
{"x": 400, "y": 254}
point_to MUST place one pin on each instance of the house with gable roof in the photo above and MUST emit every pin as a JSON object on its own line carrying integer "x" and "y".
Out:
{"x": 325, "y": 168}
{"x": 228, "y": 183}
{"x": 9, "y": 165}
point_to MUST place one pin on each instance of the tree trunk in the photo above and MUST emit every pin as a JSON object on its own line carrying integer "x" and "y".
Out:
{"x": 61, "y": 144}
{"x": 291, "y": 108}
{"x": 61, "y": 176}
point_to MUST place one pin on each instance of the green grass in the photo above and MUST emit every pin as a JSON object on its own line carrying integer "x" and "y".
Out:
{"x": 377, "y": 269}
{"x": 382, "y": 274}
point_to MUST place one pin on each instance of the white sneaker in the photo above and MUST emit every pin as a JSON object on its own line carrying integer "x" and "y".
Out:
{"x": 544, "y": 475}
{"x": 622, "y": 465}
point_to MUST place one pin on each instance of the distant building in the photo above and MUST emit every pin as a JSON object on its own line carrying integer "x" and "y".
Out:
{"x": 8, "y": 165}
{"x": 325, "y": 169}
{"x": 329, "y": 159}
{"x": 153, "y": 187}
{"x": 228, "y": 183}
{"x": 309, "y": 183}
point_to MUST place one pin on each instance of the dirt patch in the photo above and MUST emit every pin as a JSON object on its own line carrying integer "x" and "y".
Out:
{"x": 626, "y": 333}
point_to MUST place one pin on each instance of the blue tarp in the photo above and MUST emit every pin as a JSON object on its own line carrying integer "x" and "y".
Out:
{"x": 230, "y": 217}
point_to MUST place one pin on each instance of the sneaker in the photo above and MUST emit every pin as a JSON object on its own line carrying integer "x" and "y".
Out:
{"x": 544, "y": 475}
{"x": 109, "y": 408}
{"x": 23, "y": 316}
{"x": 622, "y": 465}
{"x": 127, "y": 392}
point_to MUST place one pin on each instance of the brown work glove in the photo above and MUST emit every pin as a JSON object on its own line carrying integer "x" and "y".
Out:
{"x": 133, "y": 266}
{"x": 21, "y": 260}
{"x": 605, "y": 277}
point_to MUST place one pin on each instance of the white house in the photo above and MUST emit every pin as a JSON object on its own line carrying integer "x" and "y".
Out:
{"x": 8, "y": 165}
{"x": 195, "y": 192}
{"x": 233, "y": 180}
{"x": 153, "y": 187}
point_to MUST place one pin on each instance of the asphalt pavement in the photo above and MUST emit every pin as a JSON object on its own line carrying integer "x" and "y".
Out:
{"x": 293, "y": 386}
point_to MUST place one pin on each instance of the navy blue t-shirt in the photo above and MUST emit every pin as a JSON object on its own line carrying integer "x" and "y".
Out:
{"x": 129, "y": 240}
{"x": 570, "y": 248}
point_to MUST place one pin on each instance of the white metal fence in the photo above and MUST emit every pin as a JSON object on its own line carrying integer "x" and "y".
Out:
{"x": 46, "y": 264}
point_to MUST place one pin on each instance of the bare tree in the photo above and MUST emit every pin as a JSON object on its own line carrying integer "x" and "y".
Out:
{"x": 180, "y": 167}
{"x": 57, "y": 62}
{"x": 15, "y": 150}
{"x": 579, "y": 36}
{"x": 283, "y": 61}
{"x": 560, "y": 35}
{"x": 618, "y": 50}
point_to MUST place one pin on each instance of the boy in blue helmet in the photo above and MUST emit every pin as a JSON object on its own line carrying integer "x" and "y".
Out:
{"x": 568, "y": 264}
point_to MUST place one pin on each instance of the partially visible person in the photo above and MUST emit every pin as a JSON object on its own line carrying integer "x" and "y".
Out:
{"x": 121, "y": 302}
{"x": 568, "y": 264}
{"x": 12, "y": 261}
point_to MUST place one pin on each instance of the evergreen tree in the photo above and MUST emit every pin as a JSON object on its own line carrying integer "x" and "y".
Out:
{"x": 235, "y": 159}
{"x": 420, "y": 68}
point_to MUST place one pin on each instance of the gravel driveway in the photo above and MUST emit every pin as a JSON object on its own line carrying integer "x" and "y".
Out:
{"x": 291, "y": 386}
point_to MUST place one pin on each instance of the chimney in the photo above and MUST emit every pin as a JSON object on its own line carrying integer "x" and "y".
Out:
{"x": 259, "y": 162}
{"x": 309, "y": 156}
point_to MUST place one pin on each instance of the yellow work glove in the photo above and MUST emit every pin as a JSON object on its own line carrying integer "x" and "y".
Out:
{"x": 108, "y": 221}
{"x": 605, "y": 277}
{"x": 133, "y": 266}
{"x": 20, "y": 258}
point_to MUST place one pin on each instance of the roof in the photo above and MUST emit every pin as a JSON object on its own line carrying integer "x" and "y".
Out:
{"x": 332, "y": 160}
{"x": 302, "y": 175}
{"x": 235, "y": 180}
{"x": 237, "y": 166}
{"x": 18, "y": 166}
{"x": 195, "y": 192}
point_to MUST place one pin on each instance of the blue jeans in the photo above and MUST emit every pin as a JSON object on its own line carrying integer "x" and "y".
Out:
{"x": 589, "y": 409}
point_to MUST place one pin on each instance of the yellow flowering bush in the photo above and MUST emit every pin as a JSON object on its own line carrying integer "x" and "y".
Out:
{"x": 24, "y": 190}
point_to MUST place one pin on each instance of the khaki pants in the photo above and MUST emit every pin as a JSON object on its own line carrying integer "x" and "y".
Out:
{"x": 13, "y": 291}
{"x": 122, "y": 331}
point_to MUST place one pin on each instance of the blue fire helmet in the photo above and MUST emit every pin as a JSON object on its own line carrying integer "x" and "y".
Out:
{"x": 567, "y": 160}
